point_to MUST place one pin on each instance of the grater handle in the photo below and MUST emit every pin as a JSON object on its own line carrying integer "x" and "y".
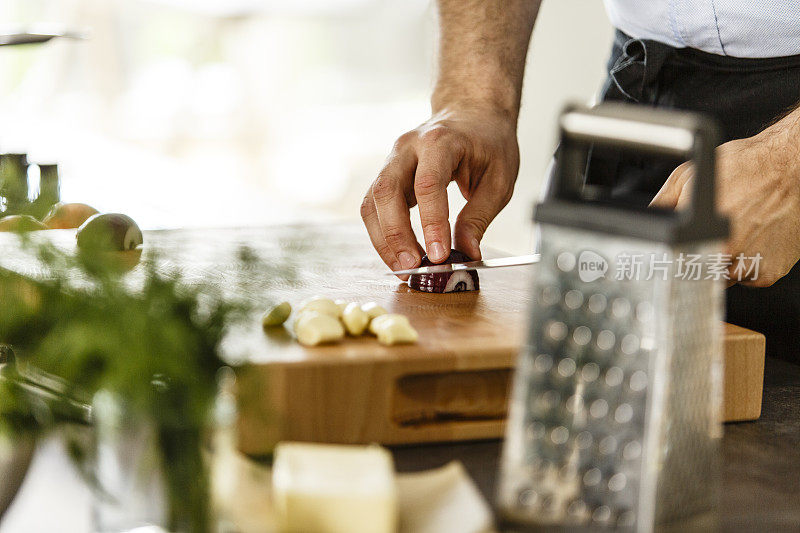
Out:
{"x": 680, "y": 134}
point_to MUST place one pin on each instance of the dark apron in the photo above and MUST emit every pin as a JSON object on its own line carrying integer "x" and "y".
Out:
{"x": 744, "y": 96}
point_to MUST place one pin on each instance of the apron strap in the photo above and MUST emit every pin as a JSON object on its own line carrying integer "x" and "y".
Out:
{"x": 634, "y": 76}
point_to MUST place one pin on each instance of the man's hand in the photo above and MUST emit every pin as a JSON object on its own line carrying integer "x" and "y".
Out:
{"x": 471, "y": 137}
{"x": 758, "y": 187}
{"x": 477, "y": 149}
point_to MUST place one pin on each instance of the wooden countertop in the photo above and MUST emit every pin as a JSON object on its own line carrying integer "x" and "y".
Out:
{"x": 296, "y": 262}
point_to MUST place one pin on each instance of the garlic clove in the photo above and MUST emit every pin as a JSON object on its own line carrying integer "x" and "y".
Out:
{"x": 378, "y": 322}
{"x": 373, "y": 310}
{"x": 276, "y": 315}
{"x": 313, "y": 328}
{"x": 355, "y": 319}
{"x": 321, "y": 305}
{"x": 341, "y": 304}
{"x": 397, "y": 332}
{"x": 299, "y": 315}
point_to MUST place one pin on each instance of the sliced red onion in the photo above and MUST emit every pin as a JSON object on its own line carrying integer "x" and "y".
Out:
{"x": 458, "y": 281}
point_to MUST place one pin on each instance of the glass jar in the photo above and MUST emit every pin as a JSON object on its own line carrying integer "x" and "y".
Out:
{"x": 147, "y": 475}
{"x": 129, "y": 491}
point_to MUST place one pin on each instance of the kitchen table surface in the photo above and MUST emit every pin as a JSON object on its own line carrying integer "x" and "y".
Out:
{"x": 761, "y": 482}
{"x": 761, "y": 459}
{"x": 761, "y": 479}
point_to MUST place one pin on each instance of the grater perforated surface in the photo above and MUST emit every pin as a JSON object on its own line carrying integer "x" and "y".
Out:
{"x": 612, "y": 415}
{"x": 687, "y": 478}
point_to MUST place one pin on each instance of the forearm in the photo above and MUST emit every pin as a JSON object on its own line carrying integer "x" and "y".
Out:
{"x": 783, "y": 138}
{"x": 482, "y": 50}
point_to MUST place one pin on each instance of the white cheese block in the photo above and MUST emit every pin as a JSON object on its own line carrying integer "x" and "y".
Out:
{"x": 320, "y": 488}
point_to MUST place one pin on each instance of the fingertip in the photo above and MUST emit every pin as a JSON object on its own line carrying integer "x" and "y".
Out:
{"x": 661, "y": 202}
{"x": 397, "y": 266}
{"x": 437, "y": 252}
{"x": 407, "y": 260}
{"x": 468, "y": 243}
{"x": 474, "y": 249}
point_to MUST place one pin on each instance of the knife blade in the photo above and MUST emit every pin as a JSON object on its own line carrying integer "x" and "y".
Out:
{"x": 519, "y": 260}
{"x": 12, "y": 39}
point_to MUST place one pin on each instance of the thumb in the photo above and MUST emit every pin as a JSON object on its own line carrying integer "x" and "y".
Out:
{"x": 670, "y": 192}
{"x": 484, "y": 205}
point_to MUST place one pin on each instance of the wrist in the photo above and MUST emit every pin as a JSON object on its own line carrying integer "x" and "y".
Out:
{"x": 497, "y": 102}
{"x": 782, "y": 146}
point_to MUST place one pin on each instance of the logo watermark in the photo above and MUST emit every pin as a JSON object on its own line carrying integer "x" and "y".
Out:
{"x": 649, "y": 266}
{"x": 591, "y": 266}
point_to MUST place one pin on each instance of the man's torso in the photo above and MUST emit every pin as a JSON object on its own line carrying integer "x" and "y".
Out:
{"x": 738, "y": 28}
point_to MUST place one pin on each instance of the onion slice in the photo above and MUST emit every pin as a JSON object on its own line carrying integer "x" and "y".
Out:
{"x": 458, "y": 281}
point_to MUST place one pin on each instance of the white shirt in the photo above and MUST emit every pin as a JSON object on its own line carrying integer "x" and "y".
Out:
{"x": 738, "y": 28}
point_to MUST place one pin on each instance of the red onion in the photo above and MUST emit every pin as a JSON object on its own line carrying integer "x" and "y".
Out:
{"x": 458, "y": 281}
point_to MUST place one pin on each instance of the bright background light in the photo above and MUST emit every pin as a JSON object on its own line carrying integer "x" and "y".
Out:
{"x": 242, "y": 112}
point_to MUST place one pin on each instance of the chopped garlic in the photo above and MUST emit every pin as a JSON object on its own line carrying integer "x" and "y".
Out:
{"x": 314, "y": 328}
{"x": 377, "y": 322}
{"x": 373, "y": 310}
{"x": 321, "y": 305}
{"x": 276, "y": 315}
{"x": 355, "y": 319}
{"x": 396, "y": 332}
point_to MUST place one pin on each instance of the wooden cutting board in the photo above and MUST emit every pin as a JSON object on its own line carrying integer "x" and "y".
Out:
{"x": 451, "y": 385}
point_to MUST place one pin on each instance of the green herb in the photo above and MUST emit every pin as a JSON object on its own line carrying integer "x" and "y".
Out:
{"x": 155, "y": 343}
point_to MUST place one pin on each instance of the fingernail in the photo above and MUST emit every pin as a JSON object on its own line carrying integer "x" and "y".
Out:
{"x": 407, "y": 260}
{"x": 436, "y": 252}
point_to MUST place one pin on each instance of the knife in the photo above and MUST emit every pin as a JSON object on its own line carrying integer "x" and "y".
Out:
{"x": 519, "y": 260}
{"x": 11, "y": 39}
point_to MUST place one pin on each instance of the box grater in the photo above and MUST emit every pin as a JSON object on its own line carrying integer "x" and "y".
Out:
{"x": 615, "y": 412}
